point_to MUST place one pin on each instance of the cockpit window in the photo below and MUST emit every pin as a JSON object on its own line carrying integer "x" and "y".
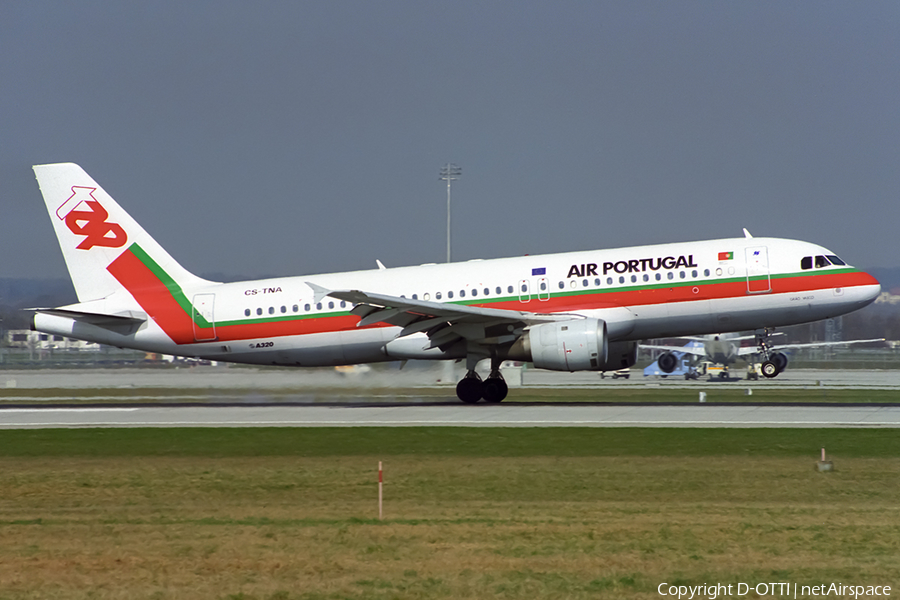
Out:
{"x": 821, "y": 261}
{"x": 806, "y": 262}
{"x": 835, "y": 260}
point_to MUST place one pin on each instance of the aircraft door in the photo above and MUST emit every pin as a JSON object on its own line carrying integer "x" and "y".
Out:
{"x": 203, "y": 317}
{"x": 543, "y": 290}
{"x": 758, "y": 281}
{"x": 524, "y": 291}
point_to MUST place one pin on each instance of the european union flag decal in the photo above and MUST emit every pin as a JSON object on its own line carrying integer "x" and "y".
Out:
{"x": 540, "y": 271}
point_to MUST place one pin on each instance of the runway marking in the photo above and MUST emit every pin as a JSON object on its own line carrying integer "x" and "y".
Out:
{"x": 597, "y": 424}
{"x": 4, "y": 411}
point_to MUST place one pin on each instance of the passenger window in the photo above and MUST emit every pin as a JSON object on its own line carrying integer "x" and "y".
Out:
{"x": 694, "y": 274}
{"x": 450, "y": 294}
{"x": 584, "y": 283}
{"x": 343, "y": 304}
{"x": 621, "y": 279}
{"x": 319, "y": 306}
{"x": 835, "y": 260}
{"x": 658, "y": 276}
{"x": 331, "y": 305}
{"x": 499, "y": 291}
{"x": 597, "y": 282}
{"x": 634, "y": 279}
{"x": 487, "y": 291}
{"x": 821, "y": 261}
{"x": 474, "y": 292}
{"x": 509, "y": 289}
{"x": 247, "y": 313}
{"x": 437, "y": 296}
{"x": 259, "y": 311}
{"x": 646, "y": 277}
{"x": 415, "y": 296}
{"x": 271, "y": 310}
{"x": 706, "y": 272}
{"x": 295, "y": 308}
{"x": 670, "y": 275}
{"x": 609, "y": 281}
{"x": 306, "y": 307}
{"x": 462, "y": 293}
{"x": 426, "y": 296}
{"x": 562, "y": 285}
{"x": 283, "y": 309}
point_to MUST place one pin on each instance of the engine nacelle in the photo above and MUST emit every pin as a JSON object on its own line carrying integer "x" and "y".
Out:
{"x": 667, "y": 362}
{"x": 577, "y": 345}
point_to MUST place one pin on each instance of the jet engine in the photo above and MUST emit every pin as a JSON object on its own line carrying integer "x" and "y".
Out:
{"x": 577, "y": 345}
{"x": 667, "y": 362}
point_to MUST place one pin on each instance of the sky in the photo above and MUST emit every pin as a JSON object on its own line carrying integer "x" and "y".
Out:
{"x": 286, "y": 138}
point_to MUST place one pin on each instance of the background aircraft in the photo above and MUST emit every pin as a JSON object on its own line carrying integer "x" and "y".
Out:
{"x": 725, "y": 349}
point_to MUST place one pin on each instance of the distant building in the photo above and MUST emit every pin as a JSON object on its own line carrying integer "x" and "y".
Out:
{"x": 34, "y": 340}
{"x": 887, "y": 298}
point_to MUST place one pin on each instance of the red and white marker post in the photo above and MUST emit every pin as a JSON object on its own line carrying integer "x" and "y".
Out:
{"x": 380, "y": 486}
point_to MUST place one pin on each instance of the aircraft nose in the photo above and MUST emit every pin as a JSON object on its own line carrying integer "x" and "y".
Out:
{"x": 870, "y": 288}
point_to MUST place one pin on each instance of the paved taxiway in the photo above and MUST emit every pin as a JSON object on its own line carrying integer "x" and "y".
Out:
{"x": 511, "y": 415}
{"x": 386, "y": 379}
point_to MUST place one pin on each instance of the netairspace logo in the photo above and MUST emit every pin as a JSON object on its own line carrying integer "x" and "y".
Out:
{"x": 775, "y": 590}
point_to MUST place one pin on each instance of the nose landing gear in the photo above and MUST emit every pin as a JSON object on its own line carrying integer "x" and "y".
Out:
{"x": 775, "y": 362}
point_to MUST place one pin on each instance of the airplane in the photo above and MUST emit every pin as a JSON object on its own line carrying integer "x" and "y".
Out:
{"x": 574, "y": 311}
{"x": 725, "y": 349}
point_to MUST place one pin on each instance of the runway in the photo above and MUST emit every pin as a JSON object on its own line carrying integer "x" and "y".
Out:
{"x": 511, "y": 415}
{"x": 217, "y": 397}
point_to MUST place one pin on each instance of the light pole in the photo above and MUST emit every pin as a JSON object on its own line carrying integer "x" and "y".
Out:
{"x": 449, "y": 172}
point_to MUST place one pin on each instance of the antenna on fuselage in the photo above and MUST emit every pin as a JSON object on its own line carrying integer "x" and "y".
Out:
{"x": 747, "y": 233}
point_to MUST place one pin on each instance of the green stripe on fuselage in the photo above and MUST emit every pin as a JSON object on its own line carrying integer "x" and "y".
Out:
{"x": 174, "y": 289}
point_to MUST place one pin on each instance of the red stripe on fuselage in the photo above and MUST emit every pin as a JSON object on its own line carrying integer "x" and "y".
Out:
{"x": 157, "y": 300}
{"x": 153, "y": 296}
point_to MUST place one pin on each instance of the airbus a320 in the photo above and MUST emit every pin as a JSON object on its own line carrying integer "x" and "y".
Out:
{"x": 575, "y": 311}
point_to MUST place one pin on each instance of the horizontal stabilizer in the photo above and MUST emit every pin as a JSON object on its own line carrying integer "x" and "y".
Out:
{"x": 94, "y": 318}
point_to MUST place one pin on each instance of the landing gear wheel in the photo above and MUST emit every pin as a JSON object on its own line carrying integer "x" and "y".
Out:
{"x": 769, "y": 369}
{"x": 470, "y": 389}
{"x": 780, "y": 361}
{"x": 495, "y": 389}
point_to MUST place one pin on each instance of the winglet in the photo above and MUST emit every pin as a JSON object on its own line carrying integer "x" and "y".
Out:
{"x": 747, "y": 233}
{"x": 318, "y": 291}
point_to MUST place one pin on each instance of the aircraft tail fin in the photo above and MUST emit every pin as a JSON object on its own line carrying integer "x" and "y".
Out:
{"x": 104, "y": 247}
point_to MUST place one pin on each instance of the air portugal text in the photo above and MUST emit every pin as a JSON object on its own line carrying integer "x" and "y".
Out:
{"x": 637, "y": 265}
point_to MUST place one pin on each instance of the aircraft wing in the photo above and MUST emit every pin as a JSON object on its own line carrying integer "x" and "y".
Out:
{"x": 746, "y": 350}
{"x": 443, "y": 323}
{"x": 818, "y": 344}
{"x": 689, "y": 349}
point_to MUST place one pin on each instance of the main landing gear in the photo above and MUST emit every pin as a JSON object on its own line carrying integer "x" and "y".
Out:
{"x": 775, "y": 362}
{"x": 471, "y": 388}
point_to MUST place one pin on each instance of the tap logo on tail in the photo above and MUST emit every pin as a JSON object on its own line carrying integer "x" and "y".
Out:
{"x": 92, "y": 222}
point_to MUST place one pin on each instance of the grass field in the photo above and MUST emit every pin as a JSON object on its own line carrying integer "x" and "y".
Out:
{"x": 469, "y": 513}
